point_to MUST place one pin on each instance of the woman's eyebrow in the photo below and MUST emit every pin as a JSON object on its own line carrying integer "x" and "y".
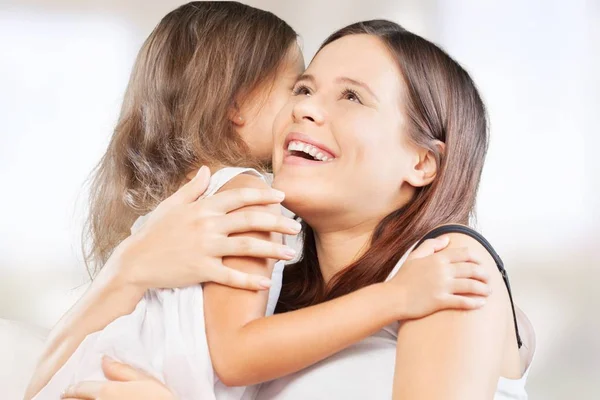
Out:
{"x": 357, "y": 83}
{"x": 306, "y": 77}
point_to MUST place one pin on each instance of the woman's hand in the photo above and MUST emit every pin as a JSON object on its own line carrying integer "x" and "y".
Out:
{"x": 185, "y": 238}
{"x": 181, "y": 244}
{"x": 435, "y": 278}
{"x": 124, "y": 382}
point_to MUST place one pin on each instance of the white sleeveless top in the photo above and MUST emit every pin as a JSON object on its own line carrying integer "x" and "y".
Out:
{"x": 363, "y": 371}
{"x": 163, "y": 336}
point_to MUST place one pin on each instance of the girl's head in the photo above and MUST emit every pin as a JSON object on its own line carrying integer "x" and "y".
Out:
{"x": 404, "y": 132}
{"x": 205, "y": 89}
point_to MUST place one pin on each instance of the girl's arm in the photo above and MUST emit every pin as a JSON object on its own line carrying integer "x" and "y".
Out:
{"x": 247, "y": 348}
{"x": 455, "y": 354}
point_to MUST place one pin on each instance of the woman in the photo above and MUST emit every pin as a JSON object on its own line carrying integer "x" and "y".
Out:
{"x": 405, "y": 131}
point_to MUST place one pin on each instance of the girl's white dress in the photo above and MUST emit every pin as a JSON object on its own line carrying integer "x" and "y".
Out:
{"x": 164, "y": 336}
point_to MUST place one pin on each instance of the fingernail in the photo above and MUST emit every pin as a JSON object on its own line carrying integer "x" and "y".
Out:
{"x": 201, "y": 170}
{"x": 444, "y": 239}
{"x": 264, "y": 283}
{"x": 293, "y": 225}
{"x": 288, "y": 252}
{"x": 279, "y": 194}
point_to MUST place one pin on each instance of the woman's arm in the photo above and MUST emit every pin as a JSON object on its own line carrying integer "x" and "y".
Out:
{"x": 107, "y": 299}
{"x": 247, "y": 348}
{"x": 180, "y": 234}
{"x": 456, "y": 354}
{"x": 123, "y": 382}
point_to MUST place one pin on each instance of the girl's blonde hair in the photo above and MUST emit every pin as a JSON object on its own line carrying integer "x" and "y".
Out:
{"x": 188, "y": 75}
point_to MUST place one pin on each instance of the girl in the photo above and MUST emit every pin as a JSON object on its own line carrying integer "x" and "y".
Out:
{"x": 189, "y": 103}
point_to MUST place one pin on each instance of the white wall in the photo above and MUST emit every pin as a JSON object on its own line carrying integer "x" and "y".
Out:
{"x": 64, "y": 66}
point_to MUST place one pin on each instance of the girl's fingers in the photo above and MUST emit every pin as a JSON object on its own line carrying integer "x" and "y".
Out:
{"x": 470, "y": 270}
{"x": 459, "y": 254}
{"x": 429, "y": 247}
{"x": 470, "y": 287}
{"x": 458, "y": 302}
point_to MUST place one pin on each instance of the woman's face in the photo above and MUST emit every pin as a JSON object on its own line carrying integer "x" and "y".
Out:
{"x": 347, "y": 106}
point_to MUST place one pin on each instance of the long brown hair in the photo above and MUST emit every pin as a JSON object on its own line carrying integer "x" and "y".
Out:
{"x": 442, "y": 104}
{"x": 198, "y": 61}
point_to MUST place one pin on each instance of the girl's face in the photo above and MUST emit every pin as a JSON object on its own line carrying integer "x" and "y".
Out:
{"x": 254, "y": 119}
{"x": 340, "y": 148}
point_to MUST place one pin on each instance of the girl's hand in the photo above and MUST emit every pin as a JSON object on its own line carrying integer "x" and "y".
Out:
{"x": 184, "y": 240}
{"x": 124, "y": 382}
{"x": 434, "y": 278}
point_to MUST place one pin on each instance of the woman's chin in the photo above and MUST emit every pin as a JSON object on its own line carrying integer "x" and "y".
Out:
{"x": 303, "y": 196}
{"x": 301, "y": 204}
{"x": 292, "y": 186}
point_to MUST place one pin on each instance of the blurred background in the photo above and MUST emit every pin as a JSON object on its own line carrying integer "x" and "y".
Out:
{"x": 64, "y": 65}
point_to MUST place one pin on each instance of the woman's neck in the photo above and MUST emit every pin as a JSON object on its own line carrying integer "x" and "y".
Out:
{"x": 338, "y": 249}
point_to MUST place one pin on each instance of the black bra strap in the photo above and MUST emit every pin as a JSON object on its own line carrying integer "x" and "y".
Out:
{"x": 477, "y": 236}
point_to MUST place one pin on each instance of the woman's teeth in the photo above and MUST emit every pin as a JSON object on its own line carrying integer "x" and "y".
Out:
{"x": 306, "y": 148}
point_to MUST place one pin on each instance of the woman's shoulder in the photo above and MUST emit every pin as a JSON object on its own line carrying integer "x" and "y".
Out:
{"x": 475, "y": 248}
{"x": 458, "y": 230}
{"x": 469, "y": 239}
{"x": 480, "y": 251}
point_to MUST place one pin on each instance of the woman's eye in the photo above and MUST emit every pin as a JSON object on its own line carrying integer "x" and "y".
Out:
{"x": 301, "y": 90}
{"x": 351, "y": 95}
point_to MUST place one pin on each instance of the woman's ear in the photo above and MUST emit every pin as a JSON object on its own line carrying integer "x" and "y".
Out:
{"x": 425, "y": 166}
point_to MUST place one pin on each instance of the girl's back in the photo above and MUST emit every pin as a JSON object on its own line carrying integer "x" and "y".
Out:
{"x": 164, "y": 336}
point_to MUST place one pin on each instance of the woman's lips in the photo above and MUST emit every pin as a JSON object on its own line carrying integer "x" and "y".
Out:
{"x": 296, "y": 138}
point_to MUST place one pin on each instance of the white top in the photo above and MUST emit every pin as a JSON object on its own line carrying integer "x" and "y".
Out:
{"x": 163, "y": 336}
{"x": 362, "y": 371}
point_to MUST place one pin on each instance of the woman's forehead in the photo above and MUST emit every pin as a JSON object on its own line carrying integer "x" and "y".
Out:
{"x": 361, "y": 57}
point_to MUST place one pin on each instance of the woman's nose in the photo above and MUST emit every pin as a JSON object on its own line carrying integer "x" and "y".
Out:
{"x": 309, "y": 109}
